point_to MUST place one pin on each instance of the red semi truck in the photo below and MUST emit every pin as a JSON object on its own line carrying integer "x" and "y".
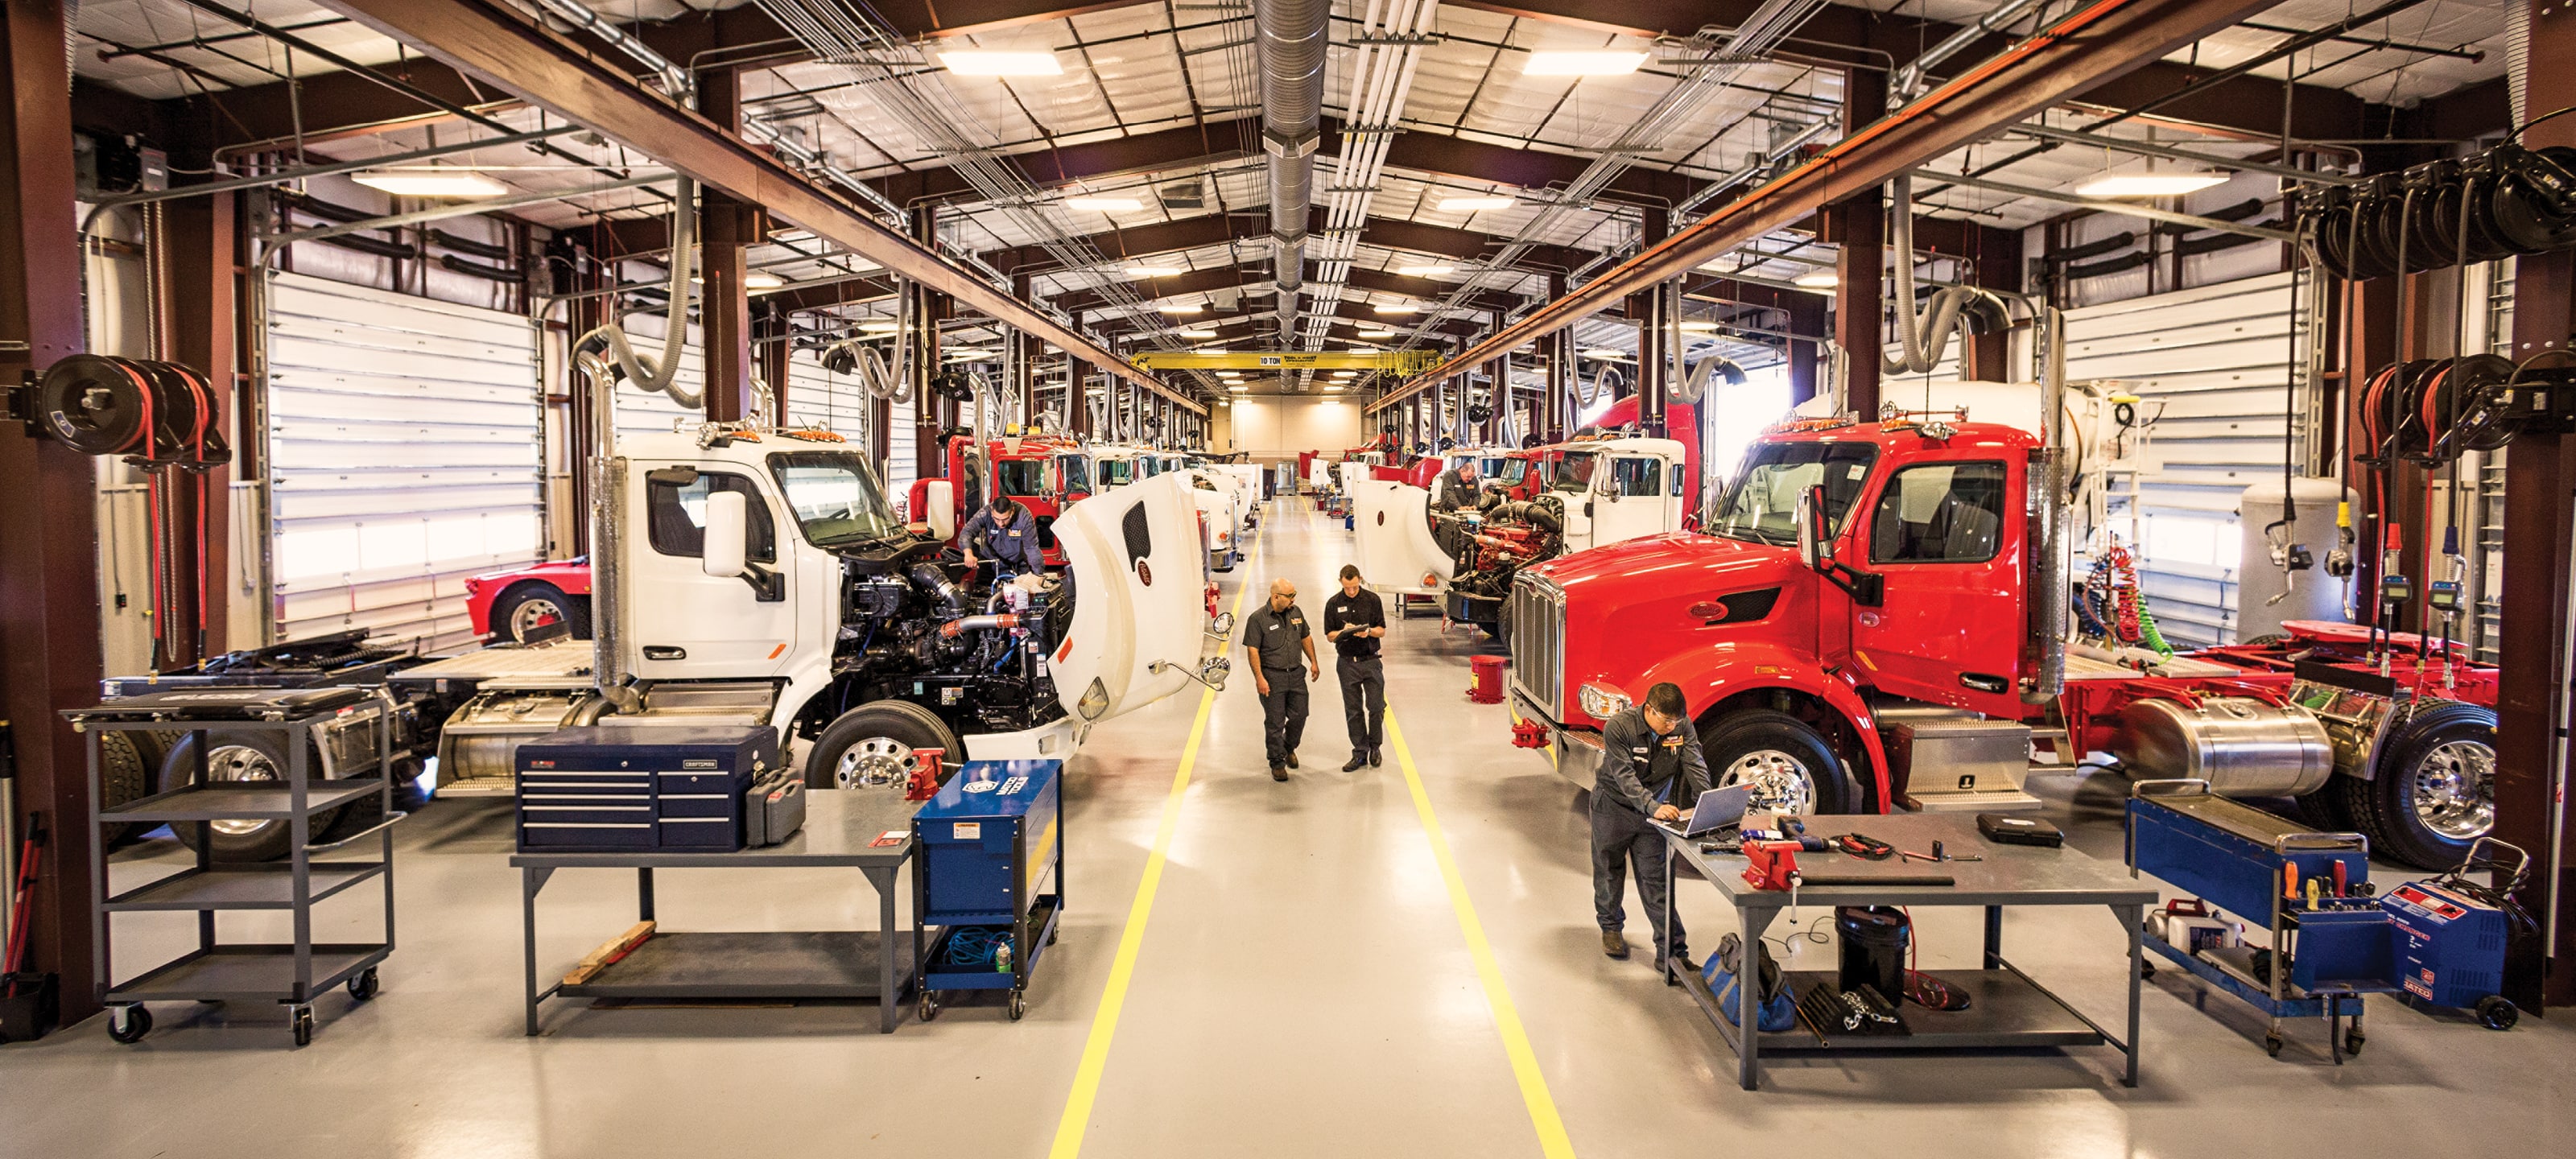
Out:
{"x": 1865, "y": 594}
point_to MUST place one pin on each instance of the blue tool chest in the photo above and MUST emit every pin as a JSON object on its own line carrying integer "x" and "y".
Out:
{"x": 626, "y": 787}
{"x": 991, "y": 876}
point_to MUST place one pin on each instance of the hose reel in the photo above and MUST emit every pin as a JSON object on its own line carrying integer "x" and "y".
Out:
{"x": 155, "y": 414}
{"x": 2506, "y": 201}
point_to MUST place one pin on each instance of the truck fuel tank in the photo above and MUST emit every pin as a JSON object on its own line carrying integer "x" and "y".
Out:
{"x": 2242, "y": 746}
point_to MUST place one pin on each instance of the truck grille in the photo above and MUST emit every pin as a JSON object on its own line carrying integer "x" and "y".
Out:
{"x": 1537, "y": 617}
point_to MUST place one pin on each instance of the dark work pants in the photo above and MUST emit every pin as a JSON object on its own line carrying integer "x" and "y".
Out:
{"x": 1621, "y": 832}
{"x": 1283, "y": 712}
{"x": 1363, "y": 700}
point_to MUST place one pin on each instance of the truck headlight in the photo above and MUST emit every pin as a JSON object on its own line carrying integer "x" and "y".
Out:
{"x": 1601, "y": 702}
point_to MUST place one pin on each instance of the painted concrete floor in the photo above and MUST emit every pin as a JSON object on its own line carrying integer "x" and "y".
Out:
{"x": 1303, "y": 984}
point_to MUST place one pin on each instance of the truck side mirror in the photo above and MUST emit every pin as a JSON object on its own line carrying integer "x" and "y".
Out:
{"x": 1815, "y": 540}
{"x": 726, "y": 546}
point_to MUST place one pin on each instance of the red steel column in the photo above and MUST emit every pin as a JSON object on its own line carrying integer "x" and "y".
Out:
{"x": 49, "y": 646}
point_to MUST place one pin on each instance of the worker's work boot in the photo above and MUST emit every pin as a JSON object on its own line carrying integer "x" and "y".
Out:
{"x": 1614, "y": 945}
{"x": 1359, "y": 760}
{"x": 1278, "y": 772}
{"x": 1292, "y": 760}
{"x": 1375, "y": 759}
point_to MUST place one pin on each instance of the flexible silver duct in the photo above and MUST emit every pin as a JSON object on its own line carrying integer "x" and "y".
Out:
{"x": 662, "y": 374}
{"x": 1921, "y": 338}
{"x": 1291, "y": 37}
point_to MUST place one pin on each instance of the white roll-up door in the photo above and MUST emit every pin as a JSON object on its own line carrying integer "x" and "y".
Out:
{"x": 404, "y": 454}
{"x": 2212, "y": 365}
{"x": 819, "y": 398}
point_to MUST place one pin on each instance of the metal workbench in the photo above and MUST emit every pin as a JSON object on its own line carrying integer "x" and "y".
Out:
{"x": 840, "y": 828}
{"x": 2008, "y": 1009}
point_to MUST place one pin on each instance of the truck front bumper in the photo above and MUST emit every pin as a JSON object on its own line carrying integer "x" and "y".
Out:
{"x": 1575, "y": 753}
{"x": 1053, "y": 742}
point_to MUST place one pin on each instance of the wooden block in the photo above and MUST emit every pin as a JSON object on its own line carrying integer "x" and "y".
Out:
{"x": 608, "y": 953}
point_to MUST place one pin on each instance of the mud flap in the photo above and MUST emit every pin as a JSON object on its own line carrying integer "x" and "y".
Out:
{"x": 1137, "y": 561}
{"x": 1396, "y": 551}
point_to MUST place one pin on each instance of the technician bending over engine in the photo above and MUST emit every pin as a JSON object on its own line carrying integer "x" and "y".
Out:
{"x": 1007, "y": 535}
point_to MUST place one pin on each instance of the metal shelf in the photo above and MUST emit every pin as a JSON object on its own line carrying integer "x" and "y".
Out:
{"x": 248, "y": 972}
{"x": 2005, "y": 1010}
{"x": 760, "y": 964}
{"x": 233, "y": 886}
{"x": 239, "y": 801}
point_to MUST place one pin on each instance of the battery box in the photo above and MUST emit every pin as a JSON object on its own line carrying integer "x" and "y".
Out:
{"x": 631, "y": 787}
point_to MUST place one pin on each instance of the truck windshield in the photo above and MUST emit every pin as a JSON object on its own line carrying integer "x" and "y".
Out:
{"x": 835, "y": 497}
{"x": 1117, "y": 472}
{"x": 1763, "y": 504}
{"x": 1021, "y": 476}
{"x": 1573, "y": 473}
{"x": 1514, "y": 470}
{"x": 1077, "y": 473}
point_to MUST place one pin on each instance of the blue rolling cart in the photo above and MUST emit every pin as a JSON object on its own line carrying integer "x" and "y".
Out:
{"x": 991, "y": 878}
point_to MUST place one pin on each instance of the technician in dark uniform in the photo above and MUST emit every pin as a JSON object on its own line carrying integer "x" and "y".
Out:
{"x": 1355, "y": 621}
{"x": 1007, "y": 535}
{"x": 1459, "y": 492}
{"x": 1274, "y": 635}
{"x": 1651, "y": 770}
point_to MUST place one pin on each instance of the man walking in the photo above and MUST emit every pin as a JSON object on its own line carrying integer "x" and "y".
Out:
{"x": 1650, "y": 768}
{"x": 1274, "y": 635}
{"x": 1355, "y": 621}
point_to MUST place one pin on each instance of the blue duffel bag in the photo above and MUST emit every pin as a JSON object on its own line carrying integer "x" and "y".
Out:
{"x": 1779, "y": 1007}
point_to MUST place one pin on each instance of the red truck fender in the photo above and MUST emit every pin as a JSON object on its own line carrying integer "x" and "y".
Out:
{"x": 1709, "y": 676}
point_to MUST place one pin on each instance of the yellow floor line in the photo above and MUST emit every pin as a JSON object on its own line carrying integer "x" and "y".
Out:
{"x": 1070, "y": 1129}
{"x": 1552, "y": 1141}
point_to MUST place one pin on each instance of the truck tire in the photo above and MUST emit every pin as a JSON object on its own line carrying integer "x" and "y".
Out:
{"x": 128, "y": 766}
{"x": 526, "y": 607}
{"x": 1751, "y": 741}
{"x": 2435, "y": 788}
{"x": 871, "y": 746}
{"x": 239, "y": 756}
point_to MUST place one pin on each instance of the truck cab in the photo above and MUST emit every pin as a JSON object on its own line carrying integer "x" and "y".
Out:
{"x": 1029, "y": 469}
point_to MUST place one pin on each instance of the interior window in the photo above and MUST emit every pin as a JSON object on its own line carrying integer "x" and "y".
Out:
{"x": 678, "y": 515}
{"x": 1941, "y": 513}
{"x": 1636, "y": 476}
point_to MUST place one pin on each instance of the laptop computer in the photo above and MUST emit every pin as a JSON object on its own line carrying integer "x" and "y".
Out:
{"x": 1717, "y": 809}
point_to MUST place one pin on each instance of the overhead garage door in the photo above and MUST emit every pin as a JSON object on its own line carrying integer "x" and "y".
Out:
{"x": 403, "y": 456}
{"x": 2211, "y": 365}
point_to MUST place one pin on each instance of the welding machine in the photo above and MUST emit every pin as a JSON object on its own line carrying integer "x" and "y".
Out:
{"x": 992, "y": 863}
{"x": 2451, "y": 933}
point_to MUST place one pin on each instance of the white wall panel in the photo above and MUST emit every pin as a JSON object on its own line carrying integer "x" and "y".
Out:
{"x": 2212, "y": 365}
{"x": 1277, "y": 426}
{"x": 404, "y": 455}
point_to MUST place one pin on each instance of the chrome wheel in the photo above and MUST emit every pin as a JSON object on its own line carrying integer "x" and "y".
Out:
{"x": 232, "y": 762}
{"x": 2453, "y": 788}
{"x": 874, "y": 762}
{"x": 1780, "y": 780}
{"x": 532, "y": 614}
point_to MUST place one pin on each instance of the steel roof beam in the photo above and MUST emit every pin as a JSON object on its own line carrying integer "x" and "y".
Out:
{"x": 506, "y": 49}
{"x": 2102, "y": 41}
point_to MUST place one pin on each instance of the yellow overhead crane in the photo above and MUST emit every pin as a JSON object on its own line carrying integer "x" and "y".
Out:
{"x": 1391, "y": 361}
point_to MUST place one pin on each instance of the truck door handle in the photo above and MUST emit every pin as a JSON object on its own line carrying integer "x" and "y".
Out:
{"x": 1981, "y": 682}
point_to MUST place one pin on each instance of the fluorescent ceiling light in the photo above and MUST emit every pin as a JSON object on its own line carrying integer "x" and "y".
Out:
{"x": 880, "y": 326}
{"x": 1396, "y": 308}
{"x": 2168, "y": 184}
{"x": 1104, "y": 204}
{"x": 1332, "y": 390}
{"x": 1198, "y": 333}
{"x": 969, "y": 355}
{"x": 1425, "y": 271}
{"x": 1699, "y": 327}
{"x": 1605, "y": 354}
{"x": 1238, "y": 386}
{"x": 1211, "y": 350}
{"x": 1594, "y": 63}
{"x": 750, "y": 281}
{"x": 996, "y": 62}
{"x": 1153, "y": 271}
{"x": 1473, "y": 204}
{"x": 432, "y": 182}
{"x": 1183, "y": 308}
{"x": 1380, "y": 333}
{"x": 1820, "y": 280}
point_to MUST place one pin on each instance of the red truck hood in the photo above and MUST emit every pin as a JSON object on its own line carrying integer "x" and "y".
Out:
{"x": 1669, "y": 587}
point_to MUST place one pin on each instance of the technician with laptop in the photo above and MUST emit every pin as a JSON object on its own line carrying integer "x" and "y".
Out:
{"x": 1650, "y": 763}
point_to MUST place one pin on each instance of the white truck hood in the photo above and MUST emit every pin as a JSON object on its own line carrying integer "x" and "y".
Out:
{"x": 1397, "y": 554}
{"x": 1138, "y": 598}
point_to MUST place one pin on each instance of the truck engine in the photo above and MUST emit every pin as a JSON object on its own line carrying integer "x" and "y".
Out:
{"x": 911, "y": 632}
{"x": 1492, "y": 546}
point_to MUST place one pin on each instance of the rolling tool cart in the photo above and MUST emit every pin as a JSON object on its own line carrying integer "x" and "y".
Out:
{"x": 991, "y": 848}
{"x": 2329, "y": 939}
{"x": 329, "y": 727}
